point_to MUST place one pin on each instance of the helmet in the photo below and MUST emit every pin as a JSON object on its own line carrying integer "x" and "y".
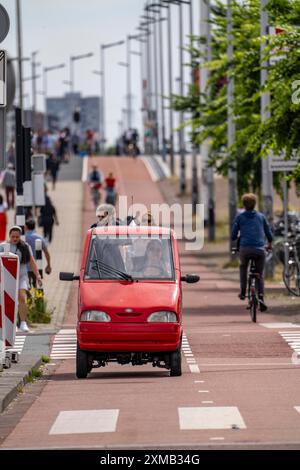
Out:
{"x": 108, "y": 214}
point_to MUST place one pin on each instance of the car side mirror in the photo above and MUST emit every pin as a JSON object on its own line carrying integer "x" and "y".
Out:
{"x": 190, "y": 278}
{"x": 68, "y": 277}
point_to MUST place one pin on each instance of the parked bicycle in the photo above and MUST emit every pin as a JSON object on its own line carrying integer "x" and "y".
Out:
{"x": 291, "y": 275}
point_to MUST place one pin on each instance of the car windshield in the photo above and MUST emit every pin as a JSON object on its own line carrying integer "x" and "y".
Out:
{"x": 134, "y": 257}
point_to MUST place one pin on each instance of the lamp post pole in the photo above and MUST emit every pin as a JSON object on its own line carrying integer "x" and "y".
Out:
{"x": 45, "y": 87}
{"x": 232, "y": 175}
{"x": 102, "y": 75}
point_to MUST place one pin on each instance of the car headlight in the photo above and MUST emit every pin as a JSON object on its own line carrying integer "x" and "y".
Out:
{"x": 163, "y": 317}
{"x": 95, "y": 315}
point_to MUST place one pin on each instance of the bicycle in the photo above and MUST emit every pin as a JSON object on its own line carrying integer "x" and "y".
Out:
{"x": 253, "y": 301}
{"x": 291, "y": 276}
{"x": 252, "y": 294}
{"x": 95, "y": 193}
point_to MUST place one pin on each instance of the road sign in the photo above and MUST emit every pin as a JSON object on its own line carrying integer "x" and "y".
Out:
{"x": 280, "y": 164}
{"x": 2, "y": 79}
{"x": 4, "y": 23}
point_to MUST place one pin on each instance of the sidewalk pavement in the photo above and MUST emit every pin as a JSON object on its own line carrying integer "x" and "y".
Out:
{"x": 65, "y": 252}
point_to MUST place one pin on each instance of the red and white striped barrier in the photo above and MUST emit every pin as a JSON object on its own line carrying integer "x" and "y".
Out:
{"x": 9, "y": 286}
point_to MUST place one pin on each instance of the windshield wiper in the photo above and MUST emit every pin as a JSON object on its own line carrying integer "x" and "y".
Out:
{"x": 107, "y": 269}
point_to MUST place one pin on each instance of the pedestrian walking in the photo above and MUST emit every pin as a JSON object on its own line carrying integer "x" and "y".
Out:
{"x": 47, "y": 218}
{"x": 3, "y": 219}
{"x": 24, "y": 252}
{"x": 52, "y": 166}
{"x": 9, "y": 183}
{"x": 31, "y": 236}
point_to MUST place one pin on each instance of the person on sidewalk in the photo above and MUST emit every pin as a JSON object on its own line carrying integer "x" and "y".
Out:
{"x": 24, "y": 252}
{"x": 9, "y": 184}
{"x": 253, "y": 230}
{"x": 3, "y": 219}
{"x": 31, "y": 236}
{"x": 47, "y": 218}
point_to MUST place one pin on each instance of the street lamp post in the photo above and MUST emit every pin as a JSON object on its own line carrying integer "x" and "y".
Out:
{"x": 179, "y": 3}
{"x": 45, "y": 71}
{"x": 148, "y": 89}
{"x": 207, "y": 173}
{"x": 102, "y": 69}
{"x": 20, "y": 45}
{"x": 267, "y": 176}
{"x": 33, "y": 70}
{"x": 232, "y": 175}
{"x": 72, "y": 60}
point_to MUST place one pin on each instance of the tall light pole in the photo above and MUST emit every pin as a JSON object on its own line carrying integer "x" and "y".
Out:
{"x": 267, "y": 176}
{"x": 103, "y": 47}
{"x": 181, "y": 114}
{"x": 20, "y": 54}
{"x": 170, "y": 67}
{"x": 45, "y": 88}
{"x": 207, "y": 179}
{"x": 72, "y": 60}
{"x": 232, "y": 175}
{"x": 149, "y": 147}
{"x": 33, "y": 71}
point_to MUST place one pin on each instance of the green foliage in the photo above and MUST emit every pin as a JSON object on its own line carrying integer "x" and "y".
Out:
{"x": 254, "y": 139}
{"x": 45, "y": 359}
{"x": 37, "y": 307}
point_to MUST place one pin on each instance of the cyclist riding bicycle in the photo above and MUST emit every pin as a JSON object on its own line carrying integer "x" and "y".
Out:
{"x": 95, "y": 179}
{"x": 253, "y": 230}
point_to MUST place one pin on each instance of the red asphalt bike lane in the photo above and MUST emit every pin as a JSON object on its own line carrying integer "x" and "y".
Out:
{"x": 229, "y": 365}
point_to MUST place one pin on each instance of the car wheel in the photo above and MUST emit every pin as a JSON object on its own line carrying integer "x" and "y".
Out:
{"x": 82, "y": 365}
{"x": 175, "y": 363}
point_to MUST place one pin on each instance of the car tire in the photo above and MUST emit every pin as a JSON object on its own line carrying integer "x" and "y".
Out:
{"x": 175, "y": 363}
{"x": 82, "y": 365}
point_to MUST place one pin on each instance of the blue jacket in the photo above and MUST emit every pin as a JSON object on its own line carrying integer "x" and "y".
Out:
{"x": 253, "y": 228}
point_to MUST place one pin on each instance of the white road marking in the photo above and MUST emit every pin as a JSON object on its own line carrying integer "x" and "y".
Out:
{"x": 194, "y": 369}
{"x": 292, "y": 339}
{"x": 216, "y": 438}
{"x": 203, "y": 391}
{"x": 84, "y": 174}
{"x": 207, "y": 402}
{"x": 85, "y": 422}
{"x": 297, "y": 408}
{"x": 279, "y": 325}
{"x": 221, "y": 417}
{"x": 199, "y": 381}
{"x": 64, "y": 345}
{"x": 19, "y": 344}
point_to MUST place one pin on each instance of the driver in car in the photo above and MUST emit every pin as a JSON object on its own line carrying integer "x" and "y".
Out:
{"x": 154, "y": 263}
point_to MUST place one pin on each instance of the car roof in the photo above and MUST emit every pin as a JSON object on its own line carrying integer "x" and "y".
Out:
{"x": 132, "y": 230}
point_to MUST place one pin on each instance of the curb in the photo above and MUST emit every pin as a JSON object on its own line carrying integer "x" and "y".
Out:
{"x": 13, "y": 379}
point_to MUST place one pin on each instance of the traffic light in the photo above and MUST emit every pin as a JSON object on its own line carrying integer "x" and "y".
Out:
{"x": 76, "y": 115}
{"x": 28, "y": 152}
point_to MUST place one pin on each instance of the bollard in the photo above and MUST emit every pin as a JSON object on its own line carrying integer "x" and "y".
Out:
{"x": 9, "y": 287}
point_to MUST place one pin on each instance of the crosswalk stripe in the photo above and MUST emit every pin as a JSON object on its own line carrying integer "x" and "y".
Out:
{"x": 19, "y": 344}
{"x": 64, "y": 345}
{"x": 292, "y": 339}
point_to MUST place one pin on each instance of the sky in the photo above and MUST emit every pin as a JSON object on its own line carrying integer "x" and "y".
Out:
{"x": 58, "y": 29}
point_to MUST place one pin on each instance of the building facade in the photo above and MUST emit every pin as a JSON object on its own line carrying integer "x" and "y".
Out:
{"x": 61, "y": 110}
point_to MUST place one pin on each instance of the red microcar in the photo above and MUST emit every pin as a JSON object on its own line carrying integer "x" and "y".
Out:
{"x": 130, "y": 298}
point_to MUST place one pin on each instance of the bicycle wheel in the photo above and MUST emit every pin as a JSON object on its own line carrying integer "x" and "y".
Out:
{"x": 291, "y": 279}
{"x": 253, "y": 307}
